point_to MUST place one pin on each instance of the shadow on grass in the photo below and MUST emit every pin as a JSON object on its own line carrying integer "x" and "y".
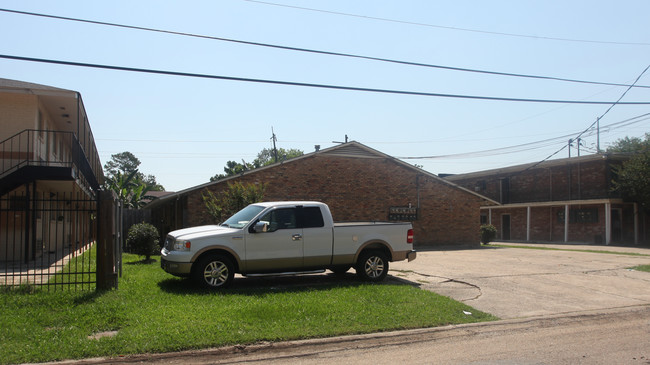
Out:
{"x": 272, "y": 284}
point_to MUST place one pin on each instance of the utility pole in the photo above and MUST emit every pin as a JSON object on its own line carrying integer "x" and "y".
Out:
{"x": 570, "y": 143}
{"x": 275, "y": 150}
{"x": 579, "y": 141}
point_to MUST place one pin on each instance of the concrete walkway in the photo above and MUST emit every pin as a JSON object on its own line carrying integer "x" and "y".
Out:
{"x": 520, "y": 282}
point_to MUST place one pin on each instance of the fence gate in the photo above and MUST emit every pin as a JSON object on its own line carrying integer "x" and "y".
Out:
{"x": 49, "y": 240}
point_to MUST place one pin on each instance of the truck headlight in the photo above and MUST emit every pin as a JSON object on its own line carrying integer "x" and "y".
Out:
{"x": 183, "y": 245}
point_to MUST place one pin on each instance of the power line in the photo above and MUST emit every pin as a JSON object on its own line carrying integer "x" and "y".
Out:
{"x": 484, "y": 153}
{"x": 329, "y": 53}
{"x": 311, "y": 85}
{"x": 450, "y": 28}
{"x": 530, "y": 145}
{"x": 617, "y": 102}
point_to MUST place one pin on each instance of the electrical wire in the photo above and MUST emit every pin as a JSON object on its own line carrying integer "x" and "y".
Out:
{"x": 311, "y": 85}
{"x": 484, "y": 153}
{"x": 448, "y": 27}
{"x": 530, "y": 145}
{"x": 329, "y": 53}
{"x": 594, "y": 123}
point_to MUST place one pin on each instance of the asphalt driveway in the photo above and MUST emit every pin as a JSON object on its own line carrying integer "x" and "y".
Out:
{"x": 520, "y": 282}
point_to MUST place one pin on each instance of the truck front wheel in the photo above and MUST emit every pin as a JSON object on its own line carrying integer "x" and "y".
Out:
{"x": 372, "y": 266}
{"x": 214, "y": 271}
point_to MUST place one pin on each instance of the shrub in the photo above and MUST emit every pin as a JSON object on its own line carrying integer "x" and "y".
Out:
{"x": 488, "y": 233}
{"x": 143, "y": 239}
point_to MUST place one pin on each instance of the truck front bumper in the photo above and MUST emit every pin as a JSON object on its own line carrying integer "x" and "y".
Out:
{"x": 176, "y": 268}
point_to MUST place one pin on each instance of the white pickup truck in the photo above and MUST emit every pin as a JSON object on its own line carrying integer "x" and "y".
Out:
{"x": 285, "y": 238}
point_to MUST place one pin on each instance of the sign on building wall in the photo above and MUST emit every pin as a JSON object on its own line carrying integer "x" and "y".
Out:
{"x": 402, "y": 214}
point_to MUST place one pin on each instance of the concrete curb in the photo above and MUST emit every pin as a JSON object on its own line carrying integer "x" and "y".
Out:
{"x": 369, "y": 340}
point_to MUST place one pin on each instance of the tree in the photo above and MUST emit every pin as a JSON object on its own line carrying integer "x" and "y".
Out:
{"x": 264, "y": 158}
{"x": 630, "y": 145}
{"x": 237, "y": 196}
{"x": 126, "y": 163}
{"x": 130, "y": 191}
{"x": 130, "y": 185}
{"x": 632, "y": 177}
{"x": 267, "y": 156}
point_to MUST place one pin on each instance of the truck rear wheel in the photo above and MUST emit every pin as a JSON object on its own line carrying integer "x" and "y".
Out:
{"x": 372, "y": 266}
{"x": 214, "y": 272}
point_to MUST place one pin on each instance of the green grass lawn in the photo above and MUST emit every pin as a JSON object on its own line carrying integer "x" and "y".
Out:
{"x": 645, "y": 268}
{"x": 155, "y": 312}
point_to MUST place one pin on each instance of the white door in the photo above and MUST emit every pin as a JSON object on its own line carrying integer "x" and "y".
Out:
{"x": 278, "y": 249}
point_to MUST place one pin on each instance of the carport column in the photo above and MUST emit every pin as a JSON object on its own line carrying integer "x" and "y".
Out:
{"x": 608, "y": 223}
{"x": 566, "y": 223}
{"x": 528, "y": 223}
{"x": 490, "y": 215}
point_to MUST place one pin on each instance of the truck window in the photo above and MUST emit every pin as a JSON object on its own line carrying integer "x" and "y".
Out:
{"x": 311, "y": 217}
{"x": 284, "y": 218}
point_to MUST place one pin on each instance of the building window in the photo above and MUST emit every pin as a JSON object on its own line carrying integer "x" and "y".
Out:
{"x": 585, "y": 215}
{"x": 505, "y": 190}
{"x": 484, "y": 219}
{"x": 480, "y": 185}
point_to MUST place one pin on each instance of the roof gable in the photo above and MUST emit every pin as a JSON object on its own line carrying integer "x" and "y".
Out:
{"x": 351, "y": 149}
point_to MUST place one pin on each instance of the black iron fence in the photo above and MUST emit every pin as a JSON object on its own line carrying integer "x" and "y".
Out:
{"x": 47, "y": 239}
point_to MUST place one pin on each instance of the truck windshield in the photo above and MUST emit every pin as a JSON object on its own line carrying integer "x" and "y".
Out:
{"x": 241, "y": 218}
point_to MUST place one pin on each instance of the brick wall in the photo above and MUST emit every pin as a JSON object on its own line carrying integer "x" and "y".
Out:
{"x": 363, "y": 189}
{"x": 575, "y": 179}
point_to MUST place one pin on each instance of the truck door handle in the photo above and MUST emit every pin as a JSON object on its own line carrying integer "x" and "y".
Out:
{"x": 296, "y": 237}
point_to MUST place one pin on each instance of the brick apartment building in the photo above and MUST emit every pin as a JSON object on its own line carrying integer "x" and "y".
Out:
{"x": 359, "y": 184}
{"x": 535, "y": 200}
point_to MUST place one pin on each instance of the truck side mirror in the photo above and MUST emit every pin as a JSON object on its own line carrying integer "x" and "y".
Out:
{"x": 261, "y": 227}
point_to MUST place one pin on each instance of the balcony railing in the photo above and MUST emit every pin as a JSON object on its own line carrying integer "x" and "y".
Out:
{"x": 48, "y": 149}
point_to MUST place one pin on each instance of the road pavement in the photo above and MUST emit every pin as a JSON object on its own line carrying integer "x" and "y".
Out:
{"x": 520, "y": 282}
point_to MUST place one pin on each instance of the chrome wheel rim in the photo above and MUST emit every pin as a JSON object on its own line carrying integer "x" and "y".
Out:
{"x": 374, "y": 267}
{"x": 215, "y": 273}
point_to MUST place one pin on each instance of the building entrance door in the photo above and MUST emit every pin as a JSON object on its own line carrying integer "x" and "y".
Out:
{"x": 505, "y": 227}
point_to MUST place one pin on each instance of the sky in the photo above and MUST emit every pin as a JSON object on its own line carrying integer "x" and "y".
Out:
{"x": 185, "y": 129}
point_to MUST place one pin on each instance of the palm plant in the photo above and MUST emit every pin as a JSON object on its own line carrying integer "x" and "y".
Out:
{"x": 129, "y": 189}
